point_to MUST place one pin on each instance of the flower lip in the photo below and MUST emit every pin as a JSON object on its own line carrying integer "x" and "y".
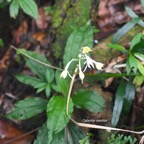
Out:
{"x": 86, "y": 49}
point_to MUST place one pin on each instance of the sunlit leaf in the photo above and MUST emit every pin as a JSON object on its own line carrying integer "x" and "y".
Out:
{"x": 139, "y": 56}
{"x": 56, "y": 112}
{"x": 135, "y": 40}
{"x": 81, "y": 37}
{"x": 89, "y": 100}
{"x": 138, "y": 80}
{"x": 86, "y": 139}
{"x": 122, "y": 31}
{"x": 132, "y": 14}
{"x": 118, "y": 47}
{"x": 27, "y": 108}
{"x": 140, "y": 67}
{"x": 118, "y": 104}
{"x": 29, "y": 7}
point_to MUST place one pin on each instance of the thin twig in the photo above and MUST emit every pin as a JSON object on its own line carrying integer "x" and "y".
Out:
{"x": 45, "y": 64}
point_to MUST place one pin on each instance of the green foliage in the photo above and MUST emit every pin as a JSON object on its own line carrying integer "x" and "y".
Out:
{"x": 86, "y": 139}
{"x": 68, "y": 16}
{"x": 122, "y": 31}
{"x": 57, "y": 118}
{"x": 81, "y": 37}
{"x": 28, "y": 6}
{"x": 89, "y": 100}
{"x": 121, "y": 139}
{"x": 1, "y": 42}
{"x": 118, "y": 104}
{"x": 27, "y": 108}
{"x": 45, "y": 74}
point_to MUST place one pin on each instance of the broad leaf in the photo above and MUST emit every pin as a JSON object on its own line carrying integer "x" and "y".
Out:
{"x": 139, "y": 56}
{"x": 118, "y": 104}
{"x": 122, "y": 31}
{"x": 79, "y": 38}
{"x": 142, "y": 2}
{"x": 140, "y": 67}
{"x": 42, "y": 137}
{"x": 118, "y": 47}
{"x": 135, "y": 40}
{"x": 133, "y": 63}
{"x": 27, "y": 108}
{"x": 14, "y": 9}
{"x": 28, "y": 80}
{"x": 29, "y": 7}
{"x": 37, "y": 68}
{"x": 132, "y": 14}
{"x": 62, "y": 85}
{"x": 56, "y": 112}
{"x": 74, "y": 134}
{"x": 129, "y": 96}
{"x": 138, "y": 80}
{"x": 89, "y": 100}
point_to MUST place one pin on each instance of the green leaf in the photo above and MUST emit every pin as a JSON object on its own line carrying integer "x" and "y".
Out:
{"x": 27, "y": 108}
{"x": 49, "y": 76}
{"x": 1, "y": 42}
{"x": 62, "y": 85}
{"x": 118, "y": 47}
{"x": 37, "y": 68}
{"x": 138, "y": 80}
{"x": 89, "y": 100}
{"x": 81, "y": 37}
{"x": 122, "y": 31}
{"x": 73, "y": 134}
{"x": 128, "y": 67}
{"x": 47, "y": 90}
{"x": 133, "y": 63}
{"x": 42, "y": 136}
{"x": 132, "y": 14}
{"x": 86, "y": 139}
{"x": 40, "y": 85}
{"x": 28, "y": 80}
{"x": 14, "y": 8}
{"x": 129, "y": 96}
{"x": 139, "y": 56}
{"x": 56, "y": 112}
{"x": 118, "y": 104}
{"x": 140, "y": 67}
{"x": 135, "y": 40}
{"x": 29, "y": 7}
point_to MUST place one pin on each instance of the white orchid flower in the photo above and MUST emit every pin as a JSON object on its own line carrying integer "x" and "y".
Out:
{"x": 90, "y": 63}
{"x": 64, "y": 74}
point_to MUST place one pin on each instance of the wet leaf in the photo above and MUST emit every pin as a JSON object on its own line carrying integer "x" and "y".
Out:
{"x": 27, "y": 108}
{"x": 89, "y": 100}
{"x": 57, "y": 118}
{"x": 118, "y": 104}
